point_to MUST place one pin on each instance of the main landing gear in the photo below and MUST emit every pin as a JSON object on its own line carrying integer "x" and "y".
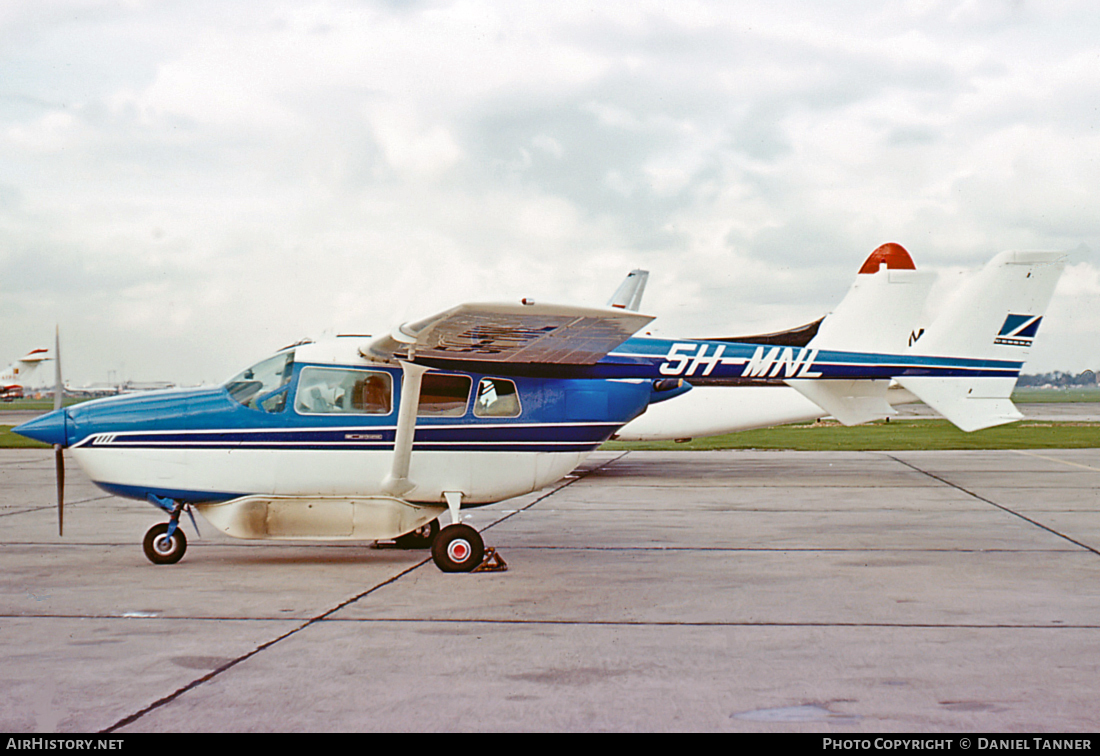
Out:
{"x": 460, "y": 548}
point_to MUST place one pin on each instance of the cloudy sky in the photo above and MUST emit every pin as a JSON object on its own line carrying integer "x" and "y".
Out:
{"x": 188, "y": 185}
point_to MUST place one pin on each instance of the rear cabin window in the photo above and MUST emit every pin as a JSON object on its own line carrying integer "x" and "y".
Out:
{"x": 327, "y": 391}
{"x": 444, "y": 395}
{"x": 496, "y": 397}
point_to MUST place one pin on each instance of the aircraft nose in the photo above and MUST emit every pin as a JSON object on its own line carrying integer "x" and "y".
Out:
{"x": 50, "y": 428}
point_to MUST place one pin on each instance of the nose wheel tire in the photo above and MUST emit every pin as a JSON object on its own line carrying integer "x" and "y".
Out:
{"x": 421, "y": 538}
{"x": 458, "y": 548}
{"x": 163, "y": 550}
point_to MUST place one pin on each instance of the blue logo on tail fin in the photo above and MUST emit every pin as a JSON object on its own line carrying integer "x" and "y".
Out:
{"x": 1018, "y": 330}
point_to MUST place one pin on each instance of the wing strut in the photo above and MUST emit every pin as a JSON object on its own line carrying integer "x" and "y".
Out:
{"x": 397, "y": 483}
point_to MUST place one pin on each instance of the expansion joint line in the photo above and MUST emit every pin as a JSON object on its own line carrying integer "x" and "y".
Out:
{"x": 262, "y": 647}
{"x": 325, "y": 615}
{"x": 579, "y": 477}
{"x": 1001, "y": 507}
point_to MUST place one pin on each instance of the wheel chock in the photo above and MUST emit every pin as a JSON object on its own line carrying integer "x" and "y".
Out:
{"x": 492, "y": 562}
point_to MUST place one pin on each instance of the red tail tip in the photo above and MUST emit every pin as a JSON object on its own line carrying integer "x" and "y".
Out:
{"x": 894, "y": 255}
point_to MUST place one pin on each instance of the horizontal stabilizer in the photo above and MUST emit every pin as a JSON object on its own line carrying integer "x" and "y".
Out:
{"x": 34, "y": 357}
{"x": 850, "y": 402}
{"x": 522, "y": 333}
{"x": 969, "y": 403}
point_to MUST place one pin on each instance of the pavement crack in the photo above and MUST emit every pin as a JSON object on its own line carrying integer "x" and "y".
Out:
{"x": 41, "y": 507}
{"x": 128, "y": 720}
{"x": 576, "y": 478}
{"x": 1001, "y": 507}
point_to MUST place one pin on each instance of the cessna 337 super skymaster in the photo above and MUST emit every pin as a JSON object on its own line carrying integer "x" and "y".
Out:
{"x": 374, "y": 439}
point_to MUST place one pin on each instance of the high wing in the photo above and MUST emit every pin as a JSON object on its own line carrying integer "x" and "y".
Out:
{"x": 477, "y": 335}
{"x": 517, "y": 334}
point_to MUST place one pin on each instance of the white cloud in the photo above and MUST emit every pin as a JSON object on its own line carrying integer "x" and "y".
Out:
{"x": 186, "y": 186}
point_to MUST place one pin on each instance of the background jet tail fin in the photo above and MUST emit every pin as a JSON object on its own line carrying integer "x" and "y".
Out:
{"x": 994, "y": 317}
{"x": 34, "y": 357}
{"x": 881, "y": 309}
{"x": 629, "y": 294}
{"x": 21, "y": 369}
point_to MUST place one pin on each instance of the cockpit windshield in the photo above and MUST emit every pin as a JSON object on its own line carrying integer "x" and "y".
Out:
{"x": 264, "y": 385}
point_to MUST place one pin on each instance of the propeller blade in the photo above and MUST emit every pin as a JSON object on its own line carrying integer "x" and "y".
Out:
{"x": 58, "y": 450}
{"x": 58, "y": 387}
{"x": 59, "y": 466}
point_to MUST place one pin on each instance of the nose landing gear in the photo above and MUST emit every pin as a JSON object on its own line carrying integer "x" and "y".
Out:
{"x": 165, "y": 543}
{"x": 161, "y": 548}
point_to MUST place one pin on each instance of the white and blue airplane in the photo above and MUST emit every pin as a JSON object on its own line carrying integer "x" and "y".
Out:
{"x": 353, "y": 438}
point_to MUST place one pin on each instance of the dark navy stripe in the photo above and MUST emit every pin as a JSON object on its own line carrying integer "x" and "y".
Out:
{"x": 455, "y": 447}
{"x": 544, "y": 436}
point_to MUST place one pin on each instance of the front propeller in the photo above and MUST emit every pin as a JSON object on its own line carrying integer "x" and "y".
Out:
{"x": 59, "y": 449}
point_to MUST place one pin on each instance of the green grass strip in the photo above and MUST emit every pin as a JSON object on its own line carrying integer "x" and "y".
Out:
{"x": 904, "y": 435}
{"x": 9, "y": 440}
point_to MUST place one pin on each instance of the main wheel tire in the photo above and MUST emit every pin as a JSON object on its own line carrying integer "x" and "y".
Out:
{"x": 162, "y": 550}
{"x": 458, "y": 548}
{"x": 421, "y": 538}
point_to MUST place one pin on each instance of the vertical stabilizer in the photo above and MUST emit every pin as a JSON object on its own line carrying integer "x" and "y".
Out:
{"x": 19, "y": 371}
{"x": 994, "y": 317}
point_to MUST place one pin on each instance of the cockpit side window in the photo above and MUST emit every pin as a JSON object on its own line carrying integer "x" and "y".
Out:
{"x": 496, "y": 397}
{"x": 264, "y": 385}
{"x": 327, "y": 391}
